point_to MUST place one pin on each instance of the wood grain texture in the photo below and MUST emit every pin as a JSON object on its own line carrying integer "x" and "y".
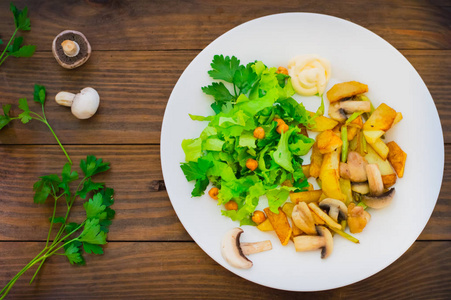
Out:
{"x": 134, "y": 87}
{"x": 144, "y": 212}
{"x": 161, "y": 25}
{"x": 184, "y": 271}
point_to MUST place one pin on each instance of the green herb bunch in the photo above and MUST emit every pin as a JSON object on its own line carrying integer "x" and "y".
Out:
{"x": 14, "y": 46}
{"x": 72, "y": 238}
{"x": 246, "y": 97}
{"x": 27, "y": 115}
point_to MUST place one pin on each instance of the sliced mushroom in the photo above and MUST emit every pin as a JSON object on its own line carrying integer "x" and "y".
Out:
{"x": 303, "y": 219}
{"x": 337, "y": 113}
{"x": 380, "y": 201}
{"x": 350, "y": 106}
{"x": 235, "y": 253}
{"x": 322, "y": 241}
{"x": 360, "y": 187}
{"x": 336, "y": 208}
{"x": 374, "y": 180}
{"x": 355, "y": 168}
{"x": 71, "y": 49}
{"x": 84, "y": 104}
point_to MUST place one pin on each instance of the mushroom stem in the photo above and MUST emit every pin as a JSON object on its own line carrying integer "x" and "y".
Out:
{"x": 70, "y": 48}
{"x": 251, "y": 248}
{"x": 374, "y": 179}
{"x": 65, "y": 98}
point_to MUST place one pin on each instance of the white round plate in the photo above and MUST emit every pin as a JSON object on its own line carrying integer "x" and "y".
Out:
{"x": 357, "y": 54}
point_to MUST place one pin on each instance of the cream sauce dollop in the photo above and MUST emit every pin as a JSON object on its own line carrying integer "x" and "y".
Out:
{"x": 309, "y": 74}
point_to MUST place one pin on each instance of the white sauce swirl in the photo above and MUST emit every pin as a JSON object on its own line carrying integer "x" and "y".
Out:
{"x": 309, "y": 74}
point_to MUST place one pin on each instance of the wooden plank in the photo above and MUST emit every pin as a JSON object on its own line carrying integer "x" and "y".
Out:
{"x": 162, "y": 25}
{"x": 134, "y": 94}
{"x": 183, "y": 270}
{"x": 144, "y": 212}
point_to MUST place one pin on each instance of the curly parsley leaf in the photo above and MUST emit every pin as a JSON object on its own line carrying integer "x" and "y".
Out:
{"x": 73, "y": 253}
{"x": 21, "y": 19}
{"x": 47, "y": 185}
{"x": 89, "y": 186}
{"x": 224, "y": 68}
{"x": 92, "y": 233}
{"x": 92, "y": 249}
{"x": 25, "y": 117}
{"x": 5, "y": 118}
{"x": 39, "y": 93}
{"x": 92, "y": 166}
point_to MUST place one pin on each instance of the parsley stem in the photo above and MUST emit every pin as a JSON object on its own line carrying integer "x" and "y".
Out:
{"x": 6, "y": 48}
{"x": 51, "y": 223}
{"x": 59, "y": 143}
{"x": 4, "y": 58}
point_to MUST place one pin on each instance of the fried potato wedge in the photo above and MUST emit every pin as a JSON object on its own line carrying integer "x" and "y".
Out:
{"x": 397, "y": 157}
{"x": 265, "y": 226}
{"x": 389, "y": 180}
{"x": 306, "y": 170}
{"x": 323, "y": 123}
{"x": 381, "y": 148}
{"x": 345, "y": 90}
{"x": 330, "y": 175}
{"x": 328, "y": 141}
{"x": 373, "y": 158}
{"x": 280, "y": 224}
{"x": 381, "y": 119}
{"x": 325, "y": 217}
{"x": 307, "y": 196}
{"x": 372, "y": 135}
{"x": 316, "y": 160}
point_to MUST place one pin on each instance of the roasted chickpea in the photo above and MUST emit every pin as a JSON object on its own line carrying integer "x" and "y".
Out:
{"x": 282, "y": 128}
{"x": 231, "y": 205}
{"x": 258, "y": 216}
{"x": 279, "y": 121}
{"x": 213, "y": 192}
{"x": 251, "y": 164}
{"x": 282, "y": 70}
{"x": 259, "y": 133}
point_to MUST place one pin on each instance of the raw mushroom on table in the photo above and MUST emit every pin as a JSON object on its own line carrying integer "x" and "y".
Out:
{"x": 71, "y": 49}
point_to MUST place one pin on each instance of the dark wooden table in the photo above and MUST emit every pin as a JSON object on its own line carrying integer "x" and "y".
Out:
{"x": 140, "y": 49}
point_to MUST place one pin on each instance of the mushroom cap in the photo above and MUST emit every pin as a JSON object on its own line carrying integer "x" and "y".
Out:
{"x": 337, "y": 113}
{"x": 329, "y": 244}
{"x": 336, "y": 208}
{"x": 79, "y": 59}
{"x": 380, "y": 201}
{"x": 231, "y": 249}
{"x": 85, "y": 103}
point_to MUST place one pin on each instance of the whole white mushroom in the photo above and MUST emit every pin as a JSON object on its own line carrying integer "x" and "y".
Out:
{"x": 83, "y": 105}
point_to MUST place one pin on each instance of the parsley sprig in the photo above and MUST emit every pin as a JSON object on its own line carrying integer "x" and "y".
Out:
{"x": 27, "y": 115}
{"x": 14, "y": 46}
{"x": 73, "y": 238}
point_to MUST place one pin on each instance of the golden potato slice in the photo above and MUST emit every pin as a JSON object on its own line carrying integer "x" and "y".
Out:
{"x": 373, "y": 135}
{"x": 389, "y": 180}
{"x": 280, "y": 224}
{"x": 345, "y": 185}
{"x": 345, "y": 90}
{"x": 323, "y": 123}
{"x": 265, "y": 226}
{"x": 316, "y": 160}
{"x": 373, "y": 158}
{"x": 328, "y": 141}
{"x": 398, "y": 118}
{"x": 288, "y": 209}
{"x": 307, "y": 196}
{"x": 397, "y": 158}
{"x": 296, "y": 231}
{"x": 330, "y": 175}
{"x": 306, "y": 170}
{"x": 380, "y": 148}
{"x": 381, "y": 119}
{"x": 329, "y": 221}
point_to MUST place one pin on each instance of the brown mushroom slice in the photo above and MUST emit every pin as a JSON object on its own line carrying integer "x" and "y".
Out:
{"x": 71, "y": 49}
{"x": 351, "y": 106}
{"x": 303, "y": 218}
{"x": 337, "y": 113}
{"x": 355, "y": 168}
{"x": 235, "y": 253}
{"x": 322, "y": 241}
{"x": 336, "y": 209}
{"x": 380, "y": 201}
{"x": 360, "y": 187}
{"x": 374, "y": 179}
